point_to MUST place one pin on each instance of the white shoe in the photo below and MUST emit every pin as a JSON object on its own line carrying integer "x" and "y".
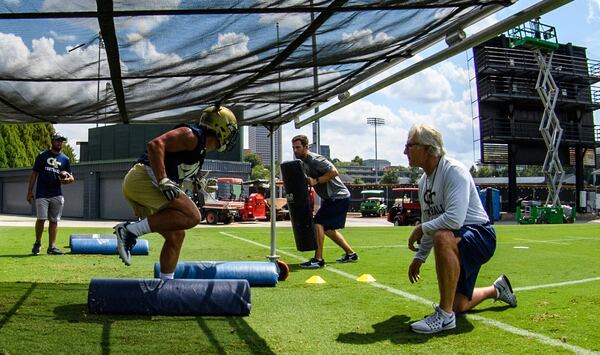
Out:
{"x": 125, "y": 242}
{"x": 434, "y": 323}
{"x": 504, "y": 291}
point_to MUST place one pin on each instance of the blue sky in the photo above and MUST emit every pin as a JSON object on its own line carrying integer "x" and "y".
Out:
{"x": 438, "y": 95}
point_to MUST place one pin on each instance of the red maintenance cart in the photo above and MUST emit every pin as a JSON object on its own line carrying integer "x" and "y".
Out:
{"x": 406, "y": 209}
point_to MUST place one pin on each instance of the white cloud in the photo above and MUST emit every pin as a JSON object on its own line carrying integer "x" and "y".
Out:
{"x": 71, "y": 38}
{"x": 347, "y": 132}
{"x": 60, "y": 5}
{"x": 453, "y": 72}
{"x": 147, "y": 52}
{"x": 365, "y": 38}
{"x": 43, "y": 61}
{"x": 481, "y": 25}
{"x": 429, "y": 85}
{"x": 593, "y": 10}
{"x": 90, "y": 5}
{"x": 141, "y": 25}
{"x": 14, "y": 45}
{"x": 229, "y": 45}
{"x": 291, "y": 21}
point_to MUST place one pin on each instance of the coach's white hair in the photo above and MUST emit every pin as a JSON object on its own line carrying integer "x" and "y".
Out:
{"x": 428, "y": 136}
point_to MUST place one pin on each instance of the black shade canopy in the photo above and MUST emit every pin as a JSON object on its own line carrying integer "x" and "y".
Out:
{"x": 165, "y": 60}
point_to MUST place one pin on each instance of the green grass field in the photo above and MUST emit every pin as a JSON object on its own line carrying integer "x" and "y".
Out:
{"x": 43, "y": 298}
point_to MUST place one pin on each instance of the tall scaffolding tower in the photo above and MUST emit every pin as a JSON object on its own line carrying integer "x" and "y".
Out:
{"x": 542, "y": 40}
{"x": 534, "y": 107}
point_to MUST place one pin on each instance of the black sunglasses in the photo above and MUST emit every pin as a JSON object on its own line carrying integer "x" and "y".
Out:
{"x": 408, "y": 145}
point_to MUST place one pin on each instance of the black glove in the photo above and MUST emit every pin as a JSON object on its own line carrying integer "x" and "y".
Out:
{"x": 169, "y": 188}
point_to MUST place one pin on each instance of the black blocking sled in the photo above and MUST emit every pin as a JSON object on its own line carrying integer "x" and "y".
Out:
{"x": 298, "y": 200}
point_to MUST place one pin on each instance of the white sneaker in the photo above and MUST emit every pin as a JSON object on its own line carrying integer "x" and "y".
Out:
{"x": 125, "y": 242}
{"x": 504, "y": 291}
{"x": 434, "y": 323}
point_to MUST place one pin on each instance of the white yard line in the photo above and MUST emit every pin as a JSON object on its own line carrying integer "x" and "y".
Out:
{"x": 560, "y": 242}
{"x": 583, "y": 238}
{"x": 506, "y": 327}
{"x": 357, "y": 247}
{"x": 557, "y": 284}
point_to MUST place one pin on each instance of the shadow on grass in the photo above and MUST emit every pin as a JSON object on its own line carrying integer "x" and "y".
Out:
{"x": 255, "y": 343}
{"x": 17, "y": 255}
{"x": 490, "y": 309}
{"x": 75, "y": 313}
{"x": 397, "y": 331}
{"x": 297, "y": 268}
{"x": 14, "y": 309}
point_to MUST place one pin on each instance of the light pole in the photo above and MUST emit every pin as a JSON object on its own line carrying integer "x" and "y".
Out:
{"x": 375, "y": 121}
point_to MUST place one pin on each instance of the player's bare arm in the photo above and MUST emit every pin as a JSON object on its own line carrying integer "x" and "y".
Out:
{"x": 331, "y": 174}
{"x": 176, "y": 140}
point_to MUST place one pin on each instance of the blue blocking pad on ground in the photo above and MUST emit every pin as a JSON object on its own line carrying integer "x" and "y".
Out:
{"x": 257, "y": 273}
{"x": 105, "y": 246}
{"x": 90, "y": 236}
{"x": 169, "y": 297}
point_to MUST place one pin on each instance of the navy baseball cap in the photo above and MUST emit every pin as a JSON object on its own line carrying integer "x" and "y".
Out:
{"x": 57, "y": 136}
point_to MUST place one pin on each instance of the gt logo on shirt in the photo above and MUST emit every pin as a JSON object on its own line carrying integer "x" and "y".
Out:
{"x": 53, "y": 162}
{"x": 428, "y": 197}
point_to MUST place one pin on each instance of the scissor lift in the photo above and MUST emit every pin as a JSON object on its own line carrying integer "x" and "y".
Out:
{"x": 541, "y": 39}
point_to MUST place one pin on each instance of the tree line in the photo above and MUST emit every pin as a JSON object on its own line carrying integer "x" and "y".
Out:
{"x": 20, "y": 144}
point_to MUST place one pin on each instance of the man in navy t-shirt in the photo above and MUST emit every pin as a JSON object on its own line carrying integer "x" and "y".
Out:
{"x": 51, "y": 169}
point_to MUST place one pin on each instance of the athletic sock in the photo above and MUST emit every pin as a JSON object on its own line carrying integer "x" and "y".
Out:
{"x": 167, "y": 276}
{"x": 446, "y": 314}
{"x": 140, "y": 227}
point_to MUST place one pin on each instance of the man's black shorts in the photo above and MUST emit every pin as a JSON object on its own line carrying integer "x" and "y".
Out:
{"x": 332, "y": 214}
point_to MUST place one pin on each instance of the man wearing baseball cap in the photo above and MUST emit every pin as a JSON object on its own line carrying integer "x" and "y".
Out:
{"x": 51, "y": 169}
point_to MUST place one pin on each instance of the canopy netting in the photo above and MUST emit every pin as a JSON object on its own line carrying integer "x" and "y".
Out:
{"x": 165, "y": 60}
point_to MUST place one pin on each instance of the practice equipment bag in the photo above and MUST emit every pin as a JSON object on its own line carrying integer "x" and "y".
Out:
{"x": 298, "y": 200}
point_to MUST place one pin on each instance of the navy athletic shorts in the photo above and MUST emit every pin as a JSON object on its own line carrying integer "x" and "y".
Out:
{"x": 332, "y": 214}
{"x": 476, "y": 247}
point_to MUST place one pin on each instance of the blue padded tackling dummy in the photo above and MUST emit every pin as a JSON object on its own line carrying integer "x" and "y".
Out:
{"x": 258, "y": 273}
{"x": 90, "y": 236}
{"x": 169, "y": 297}
{"x": 105, "y": 246}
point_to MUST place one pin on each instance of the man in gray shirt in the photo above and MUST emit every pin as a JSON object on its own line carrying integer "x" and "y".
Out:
{"x": 456, "y": 226}
{"x": 323, "y": 176}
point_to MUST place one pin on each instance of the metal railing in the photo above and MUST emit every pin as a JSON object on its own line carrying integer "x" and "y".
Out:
{"x": 505, "y": 129}
{"x": 511, "y": 59}
{"x": 518, "y": 87}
